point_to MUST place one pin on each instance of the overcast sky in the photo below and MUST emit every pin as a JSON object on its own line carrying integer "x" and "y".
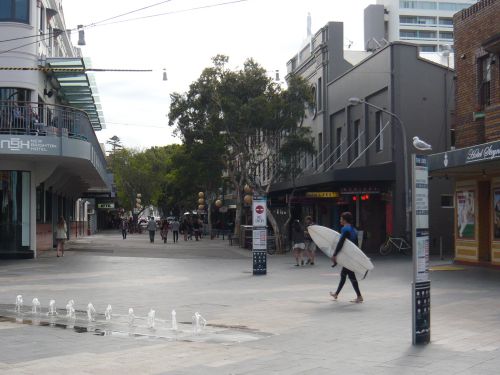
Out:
{"x": 135, "y": 105}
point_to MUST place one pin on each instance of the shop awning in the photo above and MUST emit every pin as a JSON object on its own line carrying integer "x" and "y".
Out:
{"x": 78, "y": 87}
{"x": 478, "y": 160}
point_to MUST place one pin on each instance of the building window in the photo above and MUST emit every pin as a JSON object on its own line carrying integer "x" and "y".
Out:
{"x": 417, "y": 20}
{"x": 14, "y": 94}
{"x": 417, "y": 4}
{"x": 338, "y": 145}
{"x": 445, "y": 21}
{"x": 455, "y": 7}
{"x": 417, "y": 34}
{"x": 428, "y": 48}
{"x": 42, "y": 20}
{"x": 320, "y": 94}
{"x": 484, "y": 64}
{"x": 356, "y": 138}
{"x": 446, "y": 35}
{"x": 14, "y": 11}
{"x": 424, "y": 34}
{"x": 379, "y": 143}
{"x": 447, "y": 201}
{"x": 319, "y": 159}
{"x": 313, "y": 106}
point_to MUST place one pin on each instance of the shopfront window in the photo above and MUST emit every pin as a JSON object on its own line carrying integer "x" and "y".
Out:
{"x": 14, "y": 211}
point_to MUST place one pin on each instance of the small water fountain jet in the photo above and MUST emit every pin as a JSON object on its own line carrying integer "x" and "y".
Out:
{"x": 108, "y": 312}
{"x": 19, "y": 303}
{"x": 131, "y": 317}
{"x": 70, "y": 309}
{"x": 52, "y": 308}
{"x": 91, "y": 312}
{"x": 35, "y": 309}
{"x": 151, "y": 319}
{"x": 198, "y": 322}
{"x": 174, "y": 320}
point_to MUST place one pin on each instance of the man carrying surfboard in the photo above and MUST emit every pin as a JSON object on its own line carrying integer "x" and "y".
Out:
{"x": 347, "y": 232}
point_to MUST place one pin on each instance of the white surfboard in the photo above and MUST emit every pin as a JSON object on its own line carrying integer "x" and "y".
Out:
{"x": 351, "y": 256}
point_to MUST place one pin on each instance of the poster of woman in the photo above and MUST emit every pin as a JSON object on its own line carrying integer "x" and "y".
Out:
{"x": 496, "y": 207}
{"x": 466, "y": 216}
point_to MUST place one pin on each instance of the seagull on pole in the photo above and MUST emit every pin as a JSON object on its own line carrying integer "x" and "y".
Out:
{"x": 421, "y": 145}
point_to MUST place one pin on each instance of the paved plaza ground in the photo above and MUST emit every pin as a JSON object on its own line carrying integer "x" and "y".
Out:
{"x": 286, "y": 320}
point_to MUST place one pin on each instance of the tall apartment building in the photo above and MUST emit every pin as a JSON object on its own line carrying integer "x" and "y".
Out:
{"x": 49, "y": 112}
{"x": 427, "y": 23}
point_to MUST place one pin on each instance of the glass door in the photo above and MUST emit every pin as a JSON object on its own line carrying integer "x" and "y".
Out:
{"x": 14, "y": 211}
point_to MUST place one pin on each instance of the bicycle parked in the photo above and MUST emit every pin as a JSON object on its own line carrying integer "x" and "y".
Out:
{"x": 396, "y": 243}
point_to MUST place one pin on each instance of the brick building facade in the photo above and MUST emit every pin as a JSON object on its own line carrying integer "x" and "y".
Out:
{"x": 477, "y": 46}
{"x": 475, "y": 164}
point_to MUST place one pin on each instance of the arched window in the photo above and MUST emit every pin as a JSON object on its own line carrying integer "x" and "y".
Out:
{"x": 15, "y": 11}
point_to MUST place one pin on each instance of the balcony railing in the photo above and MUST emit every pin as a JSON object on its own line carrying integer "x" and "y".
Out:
{"x": 40, "y": 119}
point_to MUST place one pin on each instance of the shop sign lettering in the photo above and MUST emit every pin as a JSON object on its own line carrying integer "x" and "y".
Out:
{"x": 482, "y": 153}
{"x": 17, "y": 145}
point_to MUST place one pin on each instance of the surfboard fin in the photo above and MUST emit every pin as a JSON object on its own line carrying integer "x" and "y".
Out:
{"x": 366, "y": 274}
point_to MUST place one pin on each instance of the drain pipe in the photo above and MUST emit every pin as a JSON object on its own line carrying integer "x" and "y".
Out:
{"x": 441, "y": 248}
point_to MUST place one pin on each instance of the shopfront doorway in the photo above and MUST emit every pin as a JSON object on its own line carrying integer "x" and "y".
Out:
{"x": 14, "y": 213}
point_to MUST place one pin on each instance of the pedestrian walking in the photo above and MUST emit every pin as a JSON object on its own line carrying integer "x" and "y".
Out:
{"x": 310, "y": 245}
{"x": 183, "y": 228}
{"x": 298, "y": 242}
{"x": 124, "y": 228}
{"x": 197, "y": 229}
{"x": 175, "y": 229}
{"x": 164, "y": 231}
{"x": 152, "y": 229}
{"x": 348, "y": 232}
{"x": 61, "y": 236}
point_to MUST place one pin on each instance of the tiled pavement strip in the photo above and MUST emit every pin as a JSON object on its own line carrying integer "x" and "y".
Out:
{"x": 303, "y": 330}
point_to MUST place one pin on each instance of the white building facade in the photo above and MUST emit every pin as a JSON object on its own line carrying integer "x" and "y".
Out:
{"x": 49, "y": 112}
{"x": 428, "y": 23}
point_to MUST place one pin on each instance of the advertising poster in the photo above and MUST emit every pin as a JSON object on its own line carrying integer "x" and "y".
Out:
{"x": 466, "y": 214}
{"x": 496, "y": 213}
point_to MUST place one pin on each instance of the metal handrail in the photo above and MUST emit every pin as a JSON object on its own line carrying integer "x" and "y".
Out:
{"x": 41, "y": 119}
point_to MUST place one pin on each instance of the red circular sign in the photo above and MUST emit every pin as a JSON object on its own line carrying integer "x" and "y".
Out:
{"x": 259, "y": 209}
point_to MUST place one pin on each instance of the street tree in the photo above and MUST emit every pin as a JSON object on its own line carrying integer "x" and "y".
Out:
{"x": 136, "y": 172}
{"x": 115, "y": 142}
{"x": 258, "y": 122}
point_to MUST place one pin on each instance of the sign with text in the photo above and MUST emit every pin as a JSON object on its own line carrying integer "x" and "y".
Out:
{"x": 259, "y": 212}
{"x": 106, "y": 205}
{"x": 259, "y": 235}
{"x": 421, "y": 283}
{"x": 29, "y": 145}
{"x": 259, "y": 239}
{"x": 322, "y": 194}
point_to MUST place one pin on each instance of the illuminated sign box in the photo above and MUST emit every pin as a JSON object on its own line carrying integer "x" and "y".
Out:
{"x": 105, "y": 205}
{"x": 322, "y": 194}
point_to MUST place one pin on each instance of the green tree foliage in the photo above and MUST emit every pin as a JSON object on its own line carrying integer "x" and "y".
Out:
{"x": 168, "y": 177}
{"x": 250, "y": 119}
